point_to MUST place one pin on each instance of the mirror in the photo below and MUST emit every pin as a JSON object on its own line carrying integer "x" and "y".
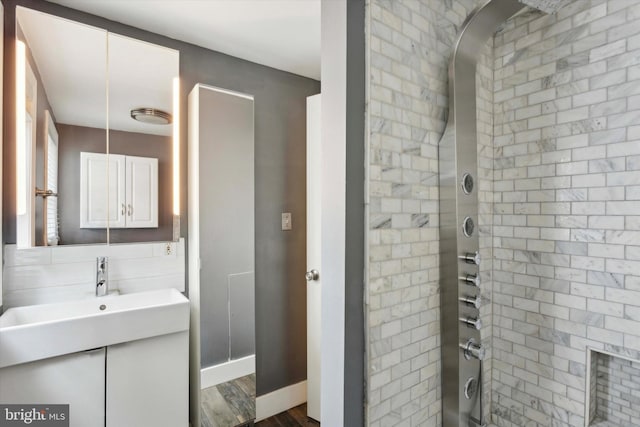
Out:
{"x": 76, "y": 105}
{"x": 221, "y": 257}
{"x": 68, "y": 84}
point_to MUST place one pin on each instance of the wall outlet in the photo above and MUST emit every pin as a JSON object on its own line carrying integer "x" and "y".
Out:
{"x": 286, "y": 221}
{"x": 168, "y": 249}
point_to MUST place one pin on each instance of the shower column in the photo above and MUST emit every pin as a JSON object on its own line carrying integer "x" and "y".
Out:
{"x": 459, "y": 260}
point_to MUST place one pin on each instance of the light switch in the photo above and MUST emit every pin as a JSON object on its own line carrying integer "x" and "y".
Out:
{"x": 286, "y": 221}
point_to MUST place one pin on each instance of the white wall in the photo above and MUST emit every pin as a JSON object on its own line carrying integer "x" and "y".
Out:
{"x": 334, "y": 89}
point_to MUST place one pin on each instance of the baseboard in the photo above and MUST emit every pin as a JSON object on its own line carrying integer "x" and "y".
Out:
{"x": 281, "y": 400}
{"x": 227, "y": 371}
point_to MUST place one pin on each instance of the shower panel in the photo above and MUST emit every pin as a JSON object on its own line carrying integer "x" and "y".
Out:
{"x": 462, "y": 351}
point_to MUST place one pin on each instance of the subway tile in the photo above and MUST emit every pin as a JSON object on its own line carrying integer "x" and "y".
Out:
{"x": 574, "y": 141}
{"x": 623, "y": 207}
{"x": 14, "y": 257}
{"x": 606, "y": 193}
{"x": 608, "y": 50}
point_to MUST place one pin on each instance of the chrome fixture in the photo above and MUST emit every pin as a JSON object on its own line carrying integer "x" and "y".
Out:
{"x": 102, "y": 276}
{"x": 470, "y": 388}
{"x": 151, "y": 116}
{"x": 472, "y": 322}
{"x": 459, "y": 244}
{"x": 471, "y": 349}
{"x": 471, "y": 257}
{"x": 312, "y": 275}
{"x": 467, "y": 183}
{"x": 472, "y": 301}
{"x": 468, "y": 226}
{"x": 472, "y": 279}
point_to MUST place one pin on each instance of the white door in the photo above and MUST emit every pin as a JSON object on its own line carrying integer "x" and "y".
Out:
{"x": 314, "y": 199}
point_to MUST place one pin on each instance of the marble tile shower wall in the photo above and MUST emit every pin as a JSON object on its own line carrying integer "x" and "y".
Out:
{"x": 485, "y": 152}
{"x": 567, "y": 212}
{"x": 409, "y": 46}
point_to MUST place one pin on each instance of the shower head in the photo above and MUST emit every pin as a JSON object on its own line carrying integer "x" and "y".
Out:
{"x": 547, "y": 6}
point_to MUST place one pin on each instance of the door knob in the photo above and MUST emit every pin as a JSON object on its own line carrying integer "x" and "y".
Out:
{"x": 312, "y": 275}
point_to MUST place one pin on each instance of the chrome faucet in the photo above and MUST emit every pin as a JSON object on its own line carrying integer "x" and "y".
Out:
{"x": 102, "y": 276}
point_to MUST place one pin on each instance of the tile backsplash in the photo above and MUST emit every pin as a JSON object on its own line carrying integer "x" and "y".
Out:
{"x": 58, "y": 273}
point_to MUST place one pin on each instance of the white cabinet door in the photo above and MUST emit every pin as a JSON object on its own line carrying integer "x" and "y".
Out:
{"x": 142, "y": 192}
{"x": 101, "y": 189}
{"x": 148, "y": 382}
{"x": 75, "y": 379}
{"x": 118, "y": 191}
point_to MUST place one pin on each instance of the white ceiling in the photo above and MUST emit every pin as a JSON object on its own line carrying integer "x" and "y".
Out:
{"x": 283, "y": 34}
{"x": 75, "y": 73}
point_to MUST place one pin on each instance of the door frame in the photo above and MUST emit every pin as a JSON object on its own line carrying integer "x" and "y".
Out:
{"x": 343, "y": 228}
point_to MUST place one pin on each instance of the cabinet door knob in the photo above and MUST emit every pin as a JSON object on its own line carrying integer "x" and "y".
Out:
{"x": 129, "y": 209}
{"x": 122, "y": 210}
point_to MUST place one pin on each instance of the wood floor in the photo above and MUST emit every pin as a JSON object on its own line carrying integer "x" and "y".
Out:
{"x": 229, "y": 404}
{"x": 294, "y": 417}
{"x": 232, "y": 404}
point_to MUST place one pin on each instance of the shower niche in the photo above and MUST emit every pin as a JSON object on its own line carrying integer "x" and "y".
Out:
{"x": 613, "y": 389}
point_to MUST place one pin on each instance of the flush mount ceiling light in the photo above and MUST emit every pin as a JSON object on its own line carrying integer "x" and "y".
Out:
{"x": 151, "y": 116}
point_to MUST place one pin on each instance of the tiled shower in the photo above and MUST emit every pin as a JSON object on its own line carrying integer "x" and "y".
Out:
{"x": 558, "y": 100}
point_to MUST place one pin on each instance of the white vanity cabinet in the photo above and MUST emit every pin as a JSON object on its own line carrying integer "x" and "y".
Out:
{"x": 132, "y": 188}
{"x": 142, "y": 383}
{"x": 148, "y": 382}
{"x": 76, "y": 379}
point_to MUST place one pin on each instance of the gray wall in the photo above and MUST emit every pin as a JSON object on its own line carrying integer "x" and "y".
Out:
{"x": 355, "y": 213}
{"x": 226, "y": 174}
{"x": 280, "y": 186}
{"x": 75, "y": 139}
{"x": 280, "y": 126}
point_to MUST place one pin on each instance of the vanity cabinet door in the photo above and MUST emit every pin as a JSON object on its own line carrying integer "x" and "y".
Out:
{"x": 142, "y": 192}
{"x": 148, "y": 382}
{"x": 75, "y": 379}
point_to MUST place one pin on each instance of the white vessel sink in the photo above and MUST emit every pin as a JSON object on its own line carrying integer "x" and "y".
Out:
{"x": 41, "y": 331}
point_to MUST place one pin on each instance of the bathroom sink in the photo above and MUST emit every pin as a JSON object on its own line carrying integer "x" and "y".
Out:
{"x": 41, "y": 331}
